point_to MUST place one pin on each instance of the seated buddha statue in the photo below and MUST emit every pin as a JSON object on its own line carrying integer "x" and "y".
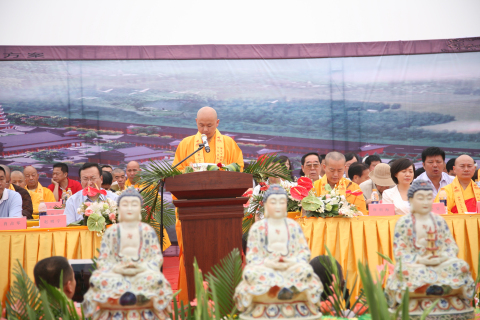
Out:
{"x": 127, "y": 282}
{"x": 426, "y": 260}
{"x": 278, "y": 281}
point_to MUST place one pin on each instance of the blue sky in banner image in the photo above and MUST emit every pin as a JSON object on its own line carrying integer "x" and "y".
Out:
{"x": 415, "y": 99}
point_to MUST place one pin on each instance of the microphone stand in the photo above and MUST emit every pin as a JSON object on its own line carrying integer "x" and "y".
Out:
{"x": 161, "y": 185}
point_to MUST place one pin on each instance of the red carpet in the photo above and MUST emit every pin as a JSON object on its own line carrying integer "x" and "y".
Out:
{"x": 170, "y": 271}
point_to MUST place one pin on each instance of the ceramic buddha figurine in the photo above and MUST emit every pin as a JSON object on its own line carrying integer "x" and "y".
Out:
{"x": 427, "y": 263}
{"x": 278, "y": 281}
{"x": 127, "y": 283}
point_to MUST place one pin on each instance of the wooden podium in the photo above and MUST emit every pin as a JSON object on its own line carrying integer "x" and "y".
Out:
{"x": 210, "y": 207}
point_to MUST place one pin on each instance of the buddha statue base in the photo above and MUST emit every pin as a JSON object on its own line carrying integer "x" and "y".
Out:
{"x": 267, "y": 307}
{"x": 141, "y": 311}
{"x": 450, "y": 307}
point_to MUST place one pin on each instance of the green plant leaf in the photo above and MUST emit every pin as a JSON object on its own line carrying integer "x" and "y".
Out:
{"x": 311, "y": 203}
{"x": 224, "y": 278}
{"x": 386, "y": 258}
{"x": 96, "y": 222}
{"x": 267, "y": 166}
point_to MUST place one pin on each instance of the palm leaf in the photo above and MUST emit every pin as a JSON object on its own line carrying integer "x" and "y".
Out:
{"x": 223, "y": 280}
{"x": 267, "y": 166}
{"x": 23, "y": 298}
{"x": 155, "y": 224}
{"x": 25, "y": 301}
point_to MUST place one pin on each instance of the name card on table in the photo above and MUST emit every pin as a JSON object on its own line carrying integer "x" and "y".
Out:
{"x": 381, "y": 209}
{"x": 57, "y": 221}
{"x": 50, "y": 205}
{"x": 54, "y": 212}
{"x": 438, "y": 208}
{"x": 13, "y": 223}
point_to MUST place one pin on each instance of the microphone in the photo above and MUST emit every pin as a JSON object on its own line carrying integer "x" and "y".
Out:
{"x": 205, "y": 143}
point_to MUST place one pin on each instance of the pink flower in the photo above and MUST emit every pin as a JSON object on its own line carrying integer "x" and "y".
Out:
{"x": 327, "y": 196}
{"x": 112, "y": 216}
{"x": 88, "y": 212}
{"x": 88, "y": 204}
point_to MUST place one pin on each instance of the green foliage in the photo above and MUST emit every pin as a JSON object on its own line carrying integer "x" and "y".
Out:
{"x": 338, "y": 291}
{"x": 267, "y": 166}
{"x": 48, "y": 155}
{"x": 223, "y": 280}
{"x": 376, "y": 300}
{"x": 26, "y": 302}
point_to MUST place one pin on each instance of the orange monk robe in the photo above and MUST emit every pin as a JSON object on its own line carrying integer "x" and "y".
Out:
{"x": 186, "y": 146}
{"x": 40, "y": 194}
{"x": 350, "y": 188}
{"x": 468, "y": 198}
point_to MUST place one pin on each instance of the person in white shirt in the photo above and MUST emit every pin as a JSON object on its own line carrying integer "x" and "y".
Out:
{"x": 402, "y": 172}
{"x": 433, "y": 159}
{"x": 90, "y": 176}
{"x": 10, "y": 201}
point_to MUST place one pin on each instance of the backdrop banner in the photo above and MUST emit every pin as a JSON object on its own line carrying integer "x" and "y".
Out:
{"x": 116, "y": 104}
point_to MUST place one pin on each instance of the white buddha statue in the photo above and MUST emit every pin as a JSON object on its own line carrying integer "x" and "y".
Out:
{"x": 278, "y": 280}
{"x": 426, "y": 261}
{"x": 128, "y": 281}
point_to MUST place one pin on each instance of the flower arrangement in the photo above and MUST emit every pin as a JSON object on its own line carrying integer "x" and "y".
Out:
{"x": 196, "y": 167}
{"x": 330, "y": 204}
{"x": 97, "y": 215}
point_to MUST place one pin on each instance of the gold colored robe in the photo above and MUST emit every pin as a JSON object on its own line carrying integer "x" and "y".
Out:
{"x": 358, "y": 201}
{"x": 40, "y": 194}
{"x": 186, "y": 146}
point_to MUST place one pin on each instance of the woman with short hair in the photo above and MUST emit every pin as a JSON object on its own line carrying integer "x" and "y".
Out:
{"x": 402, "y": 172}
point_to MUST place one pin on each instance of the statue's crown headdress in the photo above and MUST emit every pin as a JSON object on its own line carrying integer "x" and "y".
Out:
{"x": 130, "y": 192}
{"x": 274, "y": 189}
{"x": 418, "y": 185}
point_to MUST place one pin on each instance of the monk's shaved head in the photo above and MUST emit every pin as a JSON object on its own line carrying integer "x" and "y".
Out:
{"x": 464, "y": 159}
{"x": 207, "y": 121}
{"x": 334, "y": 156}
{"x": 31, "y": 177}
{"x": 133, "y": 168}
{"x": 464, "y": 169}
{"x": 118, "y": 171}
{"x": 17, "y": 174}
{"x": 29, "y": 169}
{"x": 133, "y": 164}
{"x": 207, "y": 112}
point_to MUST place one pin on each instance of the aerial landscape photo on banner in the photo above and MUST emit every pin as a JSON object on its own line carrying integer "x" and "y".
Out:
{"x": 114, "y": 111}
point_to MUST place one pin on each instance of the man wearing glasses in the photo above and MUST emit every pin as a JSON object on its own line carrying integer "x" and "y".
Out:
{"x": 311, "y": 165}
{"x": 90, "y": 176}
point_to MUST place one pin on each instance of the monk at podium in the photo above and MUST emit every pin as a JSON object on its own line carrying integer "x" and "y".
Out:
{"x": 462, "y": 193}
{"x": 223, "y": 149}
{"x": 334, "y": 167}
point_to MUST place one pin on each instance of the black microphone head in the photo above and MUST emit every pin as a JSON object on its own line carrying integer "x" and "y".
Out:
{"x": 207, "y": 149}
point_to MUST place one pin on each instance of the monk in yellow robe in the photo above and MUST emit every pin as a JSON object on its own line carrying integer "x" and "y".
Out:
{"x": 35, "y": 189}
{"x": 462, "y": 193}
{"x": 334, "y": 168}
{"x": 133, "y": 168}
{"x": 223, "y": 149}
